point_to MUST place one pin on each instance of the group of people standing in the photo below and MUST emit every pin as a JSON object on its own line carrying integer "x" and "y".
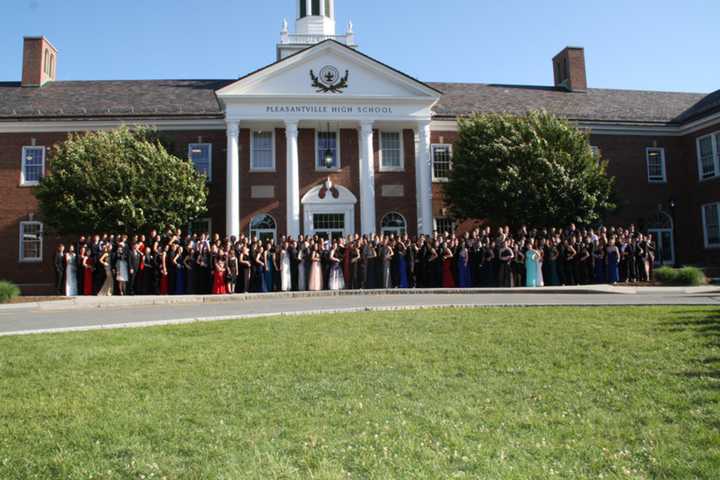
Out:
{"x": 173, "y": 264}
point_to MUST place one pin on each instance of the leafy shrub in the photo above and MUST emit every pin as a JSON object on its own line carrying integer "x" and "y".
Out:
{"x": 686, "y": 276}
{"x": 8, "y": 291}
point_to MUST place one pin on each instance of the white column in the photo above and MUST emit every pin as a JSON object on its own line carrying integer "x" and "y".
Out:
{"x": 368, "y": 220}
{"x": 232, "y": 191}
{"x": 293, "y": 180}
{"x": 424, "y": 178}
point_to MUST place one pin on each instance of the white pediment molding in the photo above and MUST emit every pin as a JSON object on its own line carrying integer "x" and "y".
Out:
{"x": 290, "y": 77}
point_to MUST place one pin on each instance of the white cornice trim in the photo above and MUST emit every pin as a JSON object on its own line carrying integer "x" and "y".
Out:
{"x": 83, "y": 125}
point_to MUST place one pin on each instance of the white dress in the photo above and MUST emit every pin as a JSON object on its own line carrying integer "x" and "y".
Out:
{"x": 285, "y": 277}
{"x": 123, "y": 273}
{"x": 71, "y": 285}
{"x": 336, "y": 280}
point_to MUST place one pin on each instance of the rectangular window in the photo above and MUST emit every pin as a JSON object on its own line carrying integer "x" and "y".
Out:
{"x": 33, "y": 165}
{"x": 262, "y": 153}
{"x": 709, "y": 156}
{"x": 655, "y": 158}
{"x": 444, "y": 225}
{"x": 200, "y": 226}
{"x": 442, "y": 162}
{"x": 31, "y": 241}
{"x": 200, "y": 154}
{"x": 316, "y": 7}
{"x": 327, "y": 146}
{"x": 303, "y": 8}
{"x": 328, "y": 13}
{"x": 711, "y": 224}
{"x": 391, "y": 152}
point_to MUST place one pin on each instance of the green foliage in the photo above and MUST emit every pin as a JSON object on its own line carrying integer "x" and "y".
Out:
{"x": 535, "y": 169}
{"x": 119, "y": 180}
{"x": 686, "y": 276}
{"x": 8, "y": 291}
{"x": 489, "y": 393}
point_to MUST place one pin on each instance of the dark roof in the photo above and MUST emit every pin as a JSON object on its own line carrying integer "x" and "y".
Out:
{"x": 135, "y": 98}
{"x": 706, "y": 106}
{"x": 595, "y": 104}
{"x": 196, "y": 98}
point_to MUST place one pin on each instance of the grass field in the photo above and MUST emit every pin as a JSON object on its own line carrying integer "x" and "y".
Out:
{"x": 492, "y": 393}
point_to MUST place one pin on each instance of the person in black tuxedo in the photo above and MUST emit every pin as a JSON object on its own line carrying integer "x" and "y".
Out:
{"x": 60, "y": 270}
{"x": 134, "y": 261}
{"x": 294, "y": 264}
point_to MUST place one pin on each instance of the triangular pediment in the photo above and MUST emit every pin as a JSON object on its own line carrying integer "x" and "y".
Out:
{"x": 329, "y": 70}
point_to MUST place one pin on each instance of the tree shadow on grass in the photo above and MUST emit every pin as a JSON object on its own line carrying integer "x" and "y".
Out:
{"x": 707, "y": 327}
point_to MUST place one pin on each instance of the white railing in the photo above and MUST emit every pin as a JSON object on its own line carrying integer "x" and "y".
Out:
{"x": 311, "y": 39}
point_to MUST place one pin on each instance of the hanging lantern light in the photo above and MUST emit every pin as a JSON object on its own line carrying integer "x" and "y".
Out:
{"x": 328, "y": 159}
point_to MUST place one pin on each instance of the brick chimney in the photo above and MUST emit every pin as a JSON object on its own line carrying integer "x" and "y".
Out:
{"x": 39, "y": 62}
{"x": 569, "y": 69}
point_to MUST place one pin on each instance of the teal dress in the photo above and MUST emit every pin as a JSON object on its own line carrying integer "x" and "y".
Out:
{"x": 533, "y": 269}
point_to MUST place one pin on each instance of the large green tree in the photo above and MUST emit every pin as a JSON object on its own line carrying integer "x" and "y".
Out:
{"x": 535, "y": 169}
{"x": 118, "y": 180}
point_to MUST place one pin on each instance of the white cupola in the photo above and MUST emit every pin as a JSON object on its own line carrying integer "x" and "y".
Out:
{"x": 315, "y": 23}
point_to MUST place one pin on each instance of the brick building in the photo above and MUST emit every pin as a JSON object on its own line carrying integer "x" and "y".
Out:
{"x": 271, "y": 141}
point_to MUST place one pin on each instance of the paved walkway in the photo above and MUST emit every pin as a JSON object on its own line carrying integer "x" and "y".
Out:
{"x": 99, "y": 313}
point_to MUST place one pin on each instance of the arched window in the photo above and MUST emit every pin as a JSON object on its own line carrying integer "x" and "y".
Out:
{"x": 660, "y": 226}
{"x": 263, "y": 227}
{"x": 393, "y": 223}
{"x": 660, "y": 221}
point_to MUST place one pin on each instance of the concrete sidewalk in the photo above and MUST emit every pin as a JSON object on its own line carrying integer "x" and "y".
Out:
{"x": 82, "y": 303}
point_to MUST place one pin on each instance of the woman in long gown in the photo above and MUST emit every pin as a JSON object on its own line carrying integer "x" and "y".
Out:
{"x": 245, "y": 271}
{"x": 233, "y": 269}
{"x": 302, "y": 258}
{"x": 315, "y": 280}
{"x": 285, "y": 274}
{"x": 346, "y": 250}
{"x": 180, "y": 273}
{"x": 162, "y": 262}
{"x": 336, "y": 279}
{"x": 371, "y": 257}
{"x": 599, "y": 276}
{"x": 505, "y": 257}
{"x": 355, "y": 262}
{"x": 219, "y": 287}
{"x": 613, "y": 263}
{"x": 448, "y": 281}
{"x": 533, "y": 266}
{"x": 87, "y": 265}
{"x": 71, "y": 282}
{"x": 107, "y": 287}
{"x": 269, "y": 272}
{"x": 402, "y": 265}
{"x": 463, "y": 266}
{"x": 258, "y": 281}
{"x": 387, "y": 254}
{"x": 487, "y": 256}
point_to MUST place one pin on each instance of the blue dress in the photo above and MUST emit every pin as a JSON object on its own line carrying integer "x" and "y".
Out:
{"x": 532, "y": 269}
{"x": 463, "y": 270}
{"x": 402, "y": 271}
{"x": 600, "y": 270}
{"x": 180, "y": 278}
{"x": 268, "y": 273}
{"x": 613, "y": 267}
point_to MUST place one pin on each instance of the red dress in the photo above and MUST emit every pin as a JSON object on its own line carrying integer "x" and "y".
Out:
{"x": 346, "y": 265}
{"x": 448, "y": 281}
{"x": 219, "y": 286}
{"x": 88, "y": 277}
{"x": 164, "y": 284}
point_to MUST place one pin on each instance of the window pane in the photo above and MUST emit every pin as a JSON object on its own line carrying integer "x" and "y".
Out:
{"x": 303, "y": 9}
{"x": 262, "y": 155}
{"x": 316, "y": 7}
{"x": 444, "y": 225}
{"x": 441, "y": 161}
{"x": 200, "y": 157}
{"x": 31, "y": 241}
{"x": 33, "y": 163}
{"x": 707, "y": 162}
{"x": 200, "y": 226}
{"x": 263, "y": 222}
{"x": 655, "y": 166}
{"x": 712, "y": 223}
{"x": 327, "y": 141}
{"x": 327, "y": 8}
{"x": 329, "y": 221}
{"x": 390, "y": 142}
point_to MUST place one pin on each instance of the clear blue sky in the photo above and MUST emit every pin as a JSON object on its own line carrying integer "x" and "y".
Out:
{"x": 637, "y": 44}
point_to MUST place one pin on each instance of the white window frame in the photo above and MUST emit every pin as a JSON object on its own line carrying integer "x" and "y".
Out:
{"x": 400, "y": 168}
{"x": 663, "y": 164}
{"x": 449, "y": 146}
{"x": 319, "y": 168}
{"x": 398, "y": 231}
{"x": 704, "y": 223}
{"x": 210, "y": 160}
{"x": 253, "y": 168}
{"x": 21, "y": 247}
{"x": 209, "y": 223}
{"x": 23, "y": 181}
{"x": 435, "y": 225}
{"x": 714, "y": 142}
{"x": 260, "y": 231}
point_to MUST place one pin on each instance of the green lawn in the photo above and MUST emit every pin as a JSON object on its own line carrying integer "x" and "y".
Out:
{"x": 490, "y": 393}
